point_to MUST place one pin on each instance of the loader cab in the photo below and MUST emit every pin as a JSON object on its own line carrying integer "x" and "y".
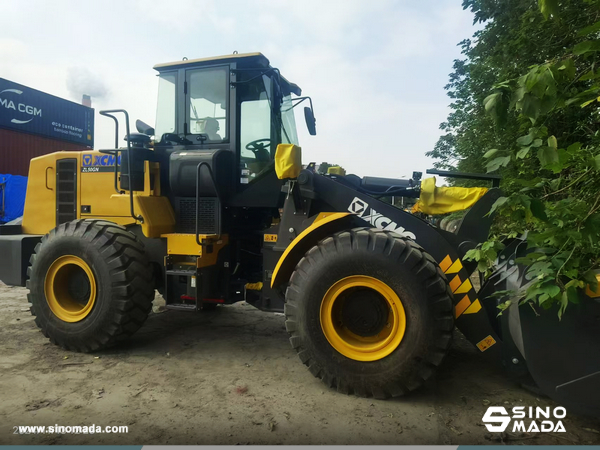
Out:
{"x": 232, "y": 111}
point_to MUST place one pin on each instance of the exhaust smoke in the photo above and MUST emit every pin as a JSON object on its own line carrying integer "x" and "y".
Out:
{"x": 81, "y": 81}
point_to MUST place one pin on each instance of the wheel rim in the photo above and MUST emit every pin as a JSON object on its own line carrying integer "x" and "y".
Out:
{"x": 70, "y": 288}
{"x": 363, "y": 318}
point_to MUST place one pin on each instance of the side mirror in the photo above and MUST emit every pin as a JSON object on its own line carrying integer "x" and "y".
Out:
{"x": 144, "y": 128}
{"x": 311, "y": 122}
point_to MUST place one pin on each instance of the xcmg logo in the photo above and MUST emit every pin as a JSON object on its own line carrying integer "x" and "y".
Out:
{"x": 369, "y": 215}
{"x": 29, "y": 110}
{"x": 547, "y": 417}
{"x": 98, "y": 163}
{"x": 99, "y": 160}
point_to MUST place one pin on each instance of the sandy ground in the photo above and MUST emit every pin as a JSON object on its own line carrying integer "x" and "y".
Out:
{"x": 229, "y": 377}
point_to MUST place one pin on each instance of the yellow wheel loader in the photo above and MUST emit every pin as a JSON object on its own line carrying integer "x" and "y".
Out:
{"x": 213, "y": 206}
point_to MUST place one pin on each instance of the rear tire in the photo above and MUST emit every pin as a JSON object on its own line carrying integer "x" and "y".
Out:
{"x": 90, "y": 285}
{"x": 392, "y": 268}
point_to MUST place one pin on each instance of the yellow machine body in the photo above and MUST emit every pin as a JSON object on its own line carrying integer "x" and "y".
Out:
{"x": 95, "y": 195}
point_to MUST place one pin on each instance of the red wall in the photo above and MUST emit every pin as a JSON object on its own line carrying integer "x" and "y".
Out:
{"x": 16, "y": 149}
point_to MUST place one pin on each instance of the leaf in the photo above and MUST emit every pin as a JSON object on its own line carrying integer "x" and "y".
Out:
{"x": 517, "y": 96}
{"x": 498, "y": 203}
{"x": 586, "y": 47}
{"x": 564, "y": 301}
{"x": 472, "y": 255}
{"x": 563, "y": 157}
{"x": 547, "y": 155}
{"x": 569, "y": 68}
{"x": 537, "y": 143}
{"x": 491, "y": 153}
{"x": 547, "y": 103}
{"x": 530, "y": 107}
{"x": 594, "y": 28}
{"x": 589, "y": 76}
{"x": 597, "y": 161}
{"x": 538, "y": 209}
{"x": 548, "y": 7}
{"x": 489, "y": 103}
{"x": 551, "y": 289}
{"x": 482, "y": 266}
{"x": 495, "y": 164}
{"x": 523, "y": 152}
{"x": 525, "y": 140}
{"x": 589, "y": 102}
{"x": 496, "y": 105}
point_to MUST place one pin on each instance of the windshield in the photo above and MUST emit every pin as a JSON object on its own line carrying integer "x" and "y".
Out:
{"x": 262, "y": 126}
{"x": 256, "y": 130}
{"x": 207, "y": 103}
{"x": 288, "y": 122}
{"x": 166, "y": 119}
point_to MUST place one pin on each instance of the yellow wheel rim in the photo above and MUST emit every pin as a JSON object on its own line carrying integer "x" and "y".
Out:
{"x": 70, "y": 288}
{"x": 375, "y": 324}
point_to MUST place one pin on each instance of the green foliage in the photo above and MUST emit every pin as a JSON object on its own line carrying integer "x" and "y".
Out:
{"x": 514, "y": 38}
{"x": 539, "y": 115}
{"x": 485, "y": 255}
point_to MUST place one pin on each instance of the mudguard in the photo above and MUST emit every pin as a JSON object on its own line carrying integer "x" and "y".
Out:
{"x": 324, "y": 225}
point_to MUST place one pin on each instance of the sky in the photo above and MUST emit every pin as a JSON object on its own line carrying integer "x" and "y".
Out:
{"x": 375, "y": 69}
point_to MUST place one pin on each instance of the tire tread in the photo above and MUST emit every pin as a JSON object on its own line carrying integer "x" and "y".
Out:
{"x": 403, "y": 251}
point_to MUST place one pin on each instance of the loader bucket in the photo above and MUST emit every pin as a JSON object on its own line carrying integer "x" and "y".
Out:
{"x": 562, "y": 355}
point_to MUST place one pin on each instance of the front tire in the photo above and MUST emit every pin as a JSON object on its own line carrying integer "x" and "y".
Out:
{"x": 90, "y": 285}
{"x": 369, "y": 313}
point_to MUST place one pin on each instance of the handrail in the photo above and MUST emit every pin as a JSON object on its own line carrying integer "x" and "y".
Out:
{"x": 114, "y": 152}
{"x": 108, "y": 113}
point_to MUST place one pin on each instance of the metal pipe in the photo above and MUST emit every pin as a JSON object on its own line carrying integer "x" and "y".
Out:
{"x": 108, "y": 114}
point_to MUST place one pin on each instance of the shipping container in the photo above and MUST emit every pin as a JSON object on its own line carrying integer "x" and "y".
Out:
{"x": 27, "y": 110}
{"x": 16, "y": 149}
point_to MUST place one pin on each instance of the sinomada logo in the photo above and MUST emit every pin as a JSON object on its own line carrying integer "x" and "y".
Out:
{"x": 541, "y": 420}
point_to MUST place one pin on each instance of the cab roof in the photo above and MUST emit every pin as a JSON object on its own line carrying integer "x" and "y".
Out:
{"x": 256, "y": 58}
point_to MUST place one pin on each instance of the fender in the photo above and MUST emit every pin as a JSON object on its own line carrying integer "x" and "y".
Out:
{"x": 324, "y": 225}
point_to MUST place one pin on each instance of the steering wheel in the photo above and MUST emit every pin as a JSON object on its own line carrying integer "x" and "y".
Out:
{"x": 260, "y": 149}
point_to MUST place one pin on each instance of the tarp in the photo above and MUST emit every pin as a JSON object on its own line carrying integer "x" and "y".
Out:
{"x": 12, "y": 196}
{"x": 443, "y": 200}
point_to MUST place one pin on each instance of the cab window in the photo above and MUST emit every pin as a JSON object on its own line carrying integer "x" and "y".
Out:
{"x": 207, "y": 103}
{"x": 256, "y": 140}
{"x": 166, "y": 113}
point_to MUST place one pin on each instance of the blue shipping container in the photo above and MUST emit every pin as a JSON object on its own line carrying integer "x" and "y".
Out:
{"x": 32, "y": 111}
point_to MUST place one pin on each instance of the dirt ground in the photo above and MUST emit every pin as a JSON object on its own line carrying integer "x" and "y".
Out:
{"x": 231, "y": 377}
